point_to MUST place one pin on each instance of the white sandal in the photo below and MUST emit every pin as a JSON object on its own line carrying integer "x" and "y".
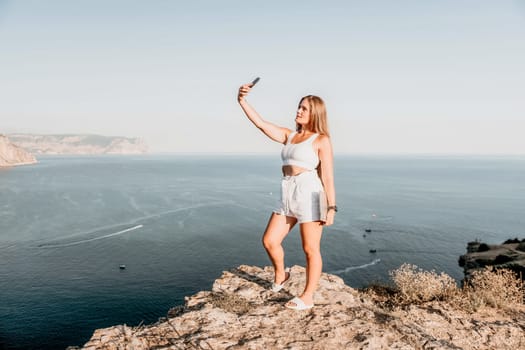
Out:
{"x": 277, "y": 287}
{"x": 299, "y": 304}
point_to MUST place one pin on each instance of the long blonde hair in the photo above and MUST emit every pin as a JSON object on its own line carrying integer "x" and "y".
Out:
{"x": 318, "y": 122}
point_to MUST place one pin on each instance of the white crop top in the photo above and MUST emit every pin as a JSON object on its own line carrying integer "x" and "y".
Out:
{"x": 300, "y": 154}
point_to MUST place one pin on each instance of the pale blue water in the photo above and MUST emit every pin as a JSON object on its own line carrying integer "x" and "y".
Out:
{"x": 176, "y": 222}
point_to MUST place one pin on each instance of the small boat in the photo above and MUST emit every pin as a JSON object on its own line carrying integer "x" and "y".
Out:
{"x": 373, "y": 250}
{"x": 368, "y": 230}
{"x": 122, "y": 267}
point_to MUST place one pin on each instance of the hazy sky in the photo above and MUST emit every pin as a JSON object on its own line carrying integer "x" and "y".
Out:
{"x": 397, "y": 76}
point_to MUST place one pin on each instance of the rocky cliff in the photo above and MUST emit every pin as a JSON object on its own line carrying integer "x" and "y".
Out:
{"x": 240, "y": 312}
{"x": 11, "y": 154}
{"x": 508, "y": 255}
{"x": 79, "y": 144}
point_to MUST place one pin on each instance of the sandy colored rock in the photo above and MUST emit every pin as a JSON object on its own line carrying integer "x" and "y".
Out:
{"x": 12, "y": 154}
{"x": 240, "y": 312}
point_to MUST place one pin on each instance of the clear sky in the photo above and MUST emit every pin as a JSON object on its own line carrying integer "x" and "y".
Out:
{"x": 445, "y": 77}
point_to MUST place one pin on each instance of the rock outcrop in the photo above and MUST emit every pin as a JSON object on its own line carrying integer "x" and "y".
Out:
{"x": 240, "y": 312}
{"x": 79, "y": 144}
{"x": 509, "y": 255}
{"x": 11, "y": 154}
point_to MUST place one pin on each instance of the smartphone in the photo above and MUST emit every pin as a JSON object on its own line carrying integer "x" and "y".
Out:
{"x": 255, "y": 81}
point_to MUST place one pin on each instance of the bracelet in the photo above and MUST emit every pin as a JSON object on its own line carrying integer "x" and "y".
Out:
{"x": 333, "y": 207}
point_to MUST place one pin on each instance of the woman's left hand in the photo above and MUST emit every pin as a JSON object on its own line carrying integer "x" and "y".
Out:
{"x": 329, "y": 218}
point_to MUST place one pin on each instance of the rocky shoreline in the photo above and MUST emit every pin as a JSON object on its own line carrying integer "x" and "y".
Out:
{"x": 13, "y": 155}
{"x": 508, "y": 255}
{"x": 240, "y": 312}
{"x": 19, "y": 149}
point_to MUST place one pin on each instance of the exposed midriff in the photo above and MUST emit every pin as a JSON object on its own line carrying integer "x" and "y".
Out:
{"x": 293, "y": 170}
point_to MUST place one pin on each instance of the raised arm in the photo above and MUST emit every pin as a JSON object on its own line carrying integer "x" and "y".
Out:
{"x": 275, "y": 132}
{"x": 326, "y": 173}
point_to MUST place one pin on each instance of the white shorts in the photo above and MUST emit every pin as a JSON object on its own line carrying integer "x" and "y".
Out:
{"x": 302, "y": 197}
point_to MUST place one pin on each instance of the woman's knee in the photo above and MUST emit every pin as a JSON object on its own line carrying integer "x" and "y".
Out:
{"x": 312, "y": 251}
{"x": 269, "y": 243}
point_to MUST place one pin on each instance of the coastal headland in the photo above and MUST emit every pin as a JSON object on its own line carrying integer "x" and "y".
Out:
{"x": 75, "y": 144}
{"x": 508, "y": 255}
{"x": 13, "y": 155}
{"x": 20, "y": 149}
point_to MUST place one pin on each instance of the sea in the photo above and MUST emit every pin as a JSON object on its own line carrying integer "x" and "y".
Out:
{"x": 95, "y": 241}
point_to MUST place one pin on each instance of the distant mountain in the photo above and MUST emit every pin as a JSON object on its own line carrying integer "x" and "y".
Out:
{"x": 11, "y": 154}
{"x": 79, "y": 144}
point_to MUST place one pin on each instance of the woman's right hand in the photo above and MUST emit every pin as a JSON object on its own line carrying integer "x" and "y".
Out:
{"x": 243, "y": 91}
{"x": 273, "y": 131}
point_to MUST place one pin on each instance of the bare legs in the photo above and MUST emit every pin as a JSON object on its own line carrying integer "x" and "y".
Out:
{"x": 277, "y": 229}
{"x": 311, "y": 237}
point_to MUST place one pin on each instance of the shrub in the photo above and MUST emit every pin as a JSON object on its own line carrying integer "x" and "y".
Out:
{"x": 483, "y": 247}
{"x": 502, "y": 259}
{"x": 521, "y": 247}
{"x": 512, "y": 240}
{"x": 382, "y": 294}
{"x": 498, "y": 288}
{"x": 416, "y": 285}
{"x": 488, "y": 287}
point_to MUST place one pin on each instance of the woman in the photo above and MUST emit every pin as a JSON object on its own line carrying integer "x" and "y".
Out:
{"x": 307, "y": 190}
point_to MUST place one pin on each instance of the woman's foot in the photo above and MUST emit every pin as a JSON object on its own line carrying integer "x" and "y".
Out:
{"x": 299, "y": 304}
{"x": 285, "y": 279}
{"x": 276, "y": 287}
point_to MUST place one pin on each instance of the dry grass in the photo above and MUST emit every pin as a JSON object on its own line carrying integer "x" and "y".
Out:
{"x": 231, "y": 303}
{"x": 383, "y": 295}
{"x": 497, "y": 288}
{"x": 500, "y": 289}
{"x": 416, "y": 285}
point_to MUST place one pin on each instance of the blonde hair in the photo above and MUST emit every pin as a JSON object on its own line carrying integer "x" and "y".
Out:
{"x": 318, "y": 122}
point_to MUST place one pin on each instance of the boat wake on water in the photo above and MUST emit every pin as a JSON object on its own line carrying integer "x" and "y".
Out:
{"x": 351, "y": 268}
{"x": 56, "y": 245}
{"x": 80, "y": 238}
